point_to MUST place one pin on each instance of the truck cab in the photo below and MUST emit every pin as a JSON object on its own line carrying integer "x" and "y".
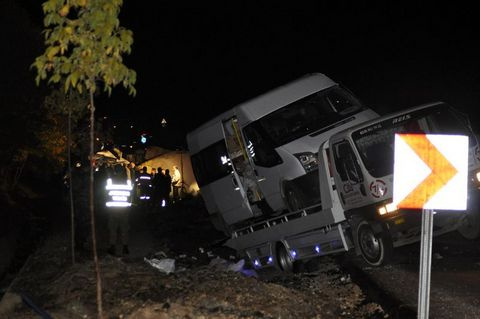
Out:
{"x": 362, "y": 161}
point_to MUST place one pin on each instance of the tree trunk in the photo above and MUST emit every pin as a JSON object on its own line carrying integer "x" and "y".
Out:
{"x": 72, "y": 211}
{"x": 92, "y": 213}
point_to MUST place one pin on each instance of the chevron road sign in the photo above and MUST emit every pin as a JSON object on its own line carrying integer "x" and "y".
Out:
{"x": 430, "y": 172}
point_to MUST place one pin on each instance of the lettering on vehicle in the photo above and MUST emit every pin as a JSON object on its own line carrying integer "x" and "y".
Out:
{"x": 371, "y": 128}
{"x": 378, "y": 188}
{"x": 401, "y": 118}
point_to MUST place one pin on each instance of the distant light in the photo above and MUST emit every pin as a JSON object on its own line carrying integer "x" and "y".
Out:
{"x": 164, "y": 122}
{"x": 131, "y": 146}
{"x": 317, "y": 249}
{"x": 98, "y": 139}
{"x": 78, "y": 164}
{"x": 105, "y": 117}
{"x": 114, "y": 126}
{"x": 257, "y": 263}
{"x": 143, "y": 139}
{"x": 131, "y": 126}
{"x": 270, "y": 260}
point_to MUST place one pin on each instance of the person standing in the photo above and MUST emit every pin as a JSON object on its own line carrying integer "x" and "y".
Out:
{"x": 144, "y": 184}
{"x": 157, "y": 182}
{"x": 118, "y": 216}
{"x": 176, "y": 183}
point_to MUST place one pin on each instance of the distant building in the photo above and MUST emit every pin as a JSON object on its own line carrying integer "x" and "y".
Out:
{"x": 167, "y": 159}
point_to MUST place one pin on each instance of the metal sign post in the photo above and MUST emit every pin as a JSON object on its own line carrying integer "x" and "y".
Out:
{"x": 425, "y": 264}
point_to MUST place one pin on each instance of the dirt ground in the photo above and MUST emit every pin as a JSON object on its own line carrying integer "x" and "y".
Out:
{"x": 208, "y": 281}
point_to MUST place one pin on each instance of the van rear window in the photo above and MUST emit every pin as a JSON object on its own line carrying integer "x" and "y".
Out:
{"x": 211, "y": 163}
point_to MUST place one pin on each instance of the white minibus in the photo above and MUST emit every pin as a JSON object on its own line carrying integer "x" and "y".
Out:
{"x": 259, "y": 158}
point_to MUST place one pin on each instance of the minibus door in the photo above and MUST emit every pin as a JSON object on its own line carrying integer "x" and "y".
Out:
{"x": 244, "y": 177}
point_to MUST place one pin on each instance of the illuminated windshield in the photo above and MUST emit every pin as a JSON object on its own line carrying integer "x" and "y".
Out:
{"x": 309, "y": 114}
{"x": 375, "y": 143}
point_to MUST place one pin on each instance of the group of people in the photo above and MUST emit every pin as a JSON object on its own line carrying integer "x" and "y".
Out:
{"x": 150, "y": 190}
{"x": 155, "y": 187}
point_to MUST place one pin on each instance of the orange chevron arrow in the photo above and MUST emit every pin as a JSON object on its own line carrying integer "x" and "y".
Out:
{"x": 442, "y": 171}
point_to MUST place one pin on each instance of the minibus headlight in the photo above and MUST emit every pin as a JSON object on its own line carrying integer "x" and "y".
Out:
{"x": 386, "y": 209}
{"x": 308, "y": 160}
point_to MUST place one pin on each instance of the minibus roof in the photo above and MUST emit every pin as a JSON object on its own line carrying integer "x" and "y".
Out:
{"x": 266, "y": 103}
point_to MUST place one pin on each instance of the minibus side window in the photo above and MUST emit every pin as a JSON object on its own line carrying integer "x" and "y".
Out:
{"x": 346, "y": 163}
{"x": 211, "y": 163}
{"x": 261, "y": 149}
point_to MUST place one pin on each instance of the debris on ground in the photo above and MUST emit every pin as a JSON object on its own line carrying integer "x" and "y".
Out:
{"x": 166, "y": 265}
{"x": 221, "y": 287}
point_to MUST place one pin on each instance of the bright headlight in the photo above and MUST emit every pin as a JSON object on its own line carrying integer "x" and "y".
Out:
{"x": 308, "y": 160}
{"x": 477, "y": 176}
{"x": 388, "y": 208}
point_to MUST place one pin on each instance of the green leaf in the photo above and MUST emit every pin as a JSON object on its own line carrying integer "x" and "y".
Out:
{"x": 74, "y": 78}
{"x": 54, "y": 78}
{"x": 51, "y": 52}
{"x": 67, "y": 83}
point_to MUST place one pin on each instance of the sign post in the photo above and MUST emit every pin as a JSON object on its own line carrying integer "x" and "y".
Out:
{"x": 430, "y": 172}
{"x": 425, "y": 264}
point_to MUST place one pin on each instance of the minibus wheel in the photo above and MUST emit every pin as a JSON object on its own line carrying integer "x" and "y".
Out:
{"x": 376, "y": 249}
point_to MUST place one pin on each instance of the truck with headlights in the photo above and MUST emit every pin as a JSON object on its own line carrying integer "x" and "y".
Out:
{"x": 356, "y": 212}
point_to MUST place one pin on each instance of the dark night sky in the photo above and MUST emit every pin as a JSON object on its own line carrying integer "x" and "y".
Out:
{"x": 194, "y": 61}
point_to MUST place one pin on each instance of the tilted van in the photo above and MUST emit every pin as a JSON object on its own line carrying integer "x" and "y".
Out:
{"x": 259, "y": 158}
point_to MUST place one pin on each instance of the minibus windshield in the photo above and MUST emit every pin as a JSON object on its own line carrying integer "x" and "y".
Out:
{"x": 309, "y": 114}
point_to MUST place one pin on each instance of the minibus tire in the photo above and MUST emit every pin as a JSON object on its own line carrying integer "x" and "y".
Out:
{"x": 376, "y": 249}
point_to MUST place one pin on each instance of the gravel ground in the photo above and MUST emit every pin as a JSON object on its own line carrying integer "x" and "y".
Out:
{"x": 208, "y": 281}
